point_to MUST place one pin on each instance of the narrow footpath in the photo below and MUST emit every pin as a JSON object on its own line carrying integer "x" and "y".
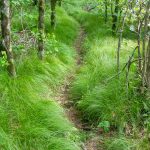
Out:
{"x": 64, "y": 99}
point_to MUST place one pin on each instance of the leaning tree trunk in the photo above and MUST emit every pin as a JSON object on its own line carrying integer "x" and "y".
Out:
{"x": 53, "y": 13}
{"x": 5, "y": 26}
{"x": 115, "y": 16}
{"x": 41, "y": 29}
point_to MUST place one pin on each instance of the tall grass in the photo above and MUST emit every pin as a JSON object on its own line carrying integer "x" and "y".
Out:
{"x": 122, "y": 143}
{"x": 98, "y": 93}
{"x": 98, "y": 98}
{"x": 30, "y": 121}
{"x": 30, "y": 117}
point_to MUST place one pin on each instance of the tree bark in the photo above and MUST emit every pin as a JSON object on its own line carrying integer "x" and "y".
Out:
{"x": 148, "y": 65}
{"x": 115, "y": 16}
{"x": 1, "y": 43}
{"x": 119, "y": 41}
{"x": 1, "y": 48}
{"x": 60, "y": 3}
{"x": 145, "y": 58}
{"x": 106, "y": 11}
{"x": 139, "y": 30}
{"x": 139, "y": 45}
{"x": 41, "y": 29}
{"x": 6, "y": 38}
{"x": 35, "y": 2}
{"x": 53, "y": 14}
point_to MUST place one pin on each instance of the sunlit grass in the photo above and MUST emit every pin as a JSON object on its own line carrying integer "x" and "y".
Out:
{"x": 30, "y": 117}
{"x": 97, "y": 92}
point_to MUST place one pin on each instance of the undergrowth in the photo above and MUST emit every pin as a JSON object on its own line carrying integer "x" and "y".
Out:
{"x": 98, "y": 93}
{"x": 30, "y": 117}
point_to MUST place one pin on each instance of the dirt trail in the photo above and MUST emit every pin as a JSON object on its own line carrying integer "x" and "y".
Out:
{"x": 64, "y": 100}
{"x": 79, "y": 45}
{"x": 63, "y": 94}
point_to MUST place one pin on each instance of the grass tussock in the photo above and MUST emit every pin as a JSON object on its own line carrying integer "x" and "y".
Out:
{"x": 31, "y": 119}
{"x": 122, "y": 143}
{"x": 98, "y": 96}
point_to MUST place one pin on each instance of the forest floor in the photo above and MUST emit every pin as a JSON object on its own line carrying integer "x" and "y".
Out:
{"x": 92, "y": 141}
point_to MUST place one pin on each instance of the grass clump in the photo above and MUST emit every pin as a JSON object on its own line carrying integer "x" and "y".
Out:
{"x": 31, "y": 118}
{"x": 118, "y": 144}
{"x": 31, "y": 122}
{"x": 123, "y": 143}
{"x": 101, "y": 98}
{"x": 97, "y": 96}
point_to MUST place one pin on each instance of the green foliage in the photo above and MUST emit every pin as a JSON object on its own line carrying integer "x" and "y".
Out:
{"x": 24, "y": 18}
{"x": 98, "y": 97}
{"x": 122, "y": 143}
{"x": 118, "y": 144}
{"x": 31, "y": 119}
{"x": 67, "y": 27}
{"x": 51, "y": 44}
{"x": 3, "y": 60}
{"x": 18, "y": 3}
{"x": 104, "y": 125}
{"x": 146, "y": 114}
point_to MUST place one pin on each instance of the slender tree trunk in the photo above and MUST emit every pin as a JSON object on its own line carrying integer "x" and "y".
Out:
{"x": 139, "y": 45}
{"x": 5, "y": 25}
{"x": 60, "y": 3}
{"x": 140, "y": 24}
{"x": 144, "y": 80}
{"x": 1, "y": 48}
{"x": 41, "y": 29}
{"x": 119, "y": 42}
{"x": 120, "y": 16}
{"x": 106, "y": 11}
{"x": 127, "y": 77}
{"x": 53, "y": 14}
{"x": 115, "y": 16}
{"x": 148, "y": 65}
{"x": 147, "y": 57}
{"x": 111, "y": 6}
{"x": 35, "y": 2}
{"x": 1, "y": 43}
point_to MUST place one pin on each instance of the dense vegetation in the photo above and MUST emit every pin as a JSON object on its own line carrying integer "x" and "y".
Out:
{"x": 110, "y": 87}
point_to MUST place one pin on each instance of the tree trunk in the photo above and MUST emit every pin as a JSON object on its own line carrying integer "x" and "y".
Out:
{"x": 111, "y": 6}
{"x": 53, "y": 14}
{"x": 1, "y": 48}
{"x": 1, "y": 43}
{"x": 41, "y": 29}
{"x": 139, "y": 45}
{"x": 60, "y": 3}
{"x": 35, "y": 2}
{"x": 115, "y": 16}
{"x": 119, "y": 41}
{"x": 5, "y": 25}
{"x": 148, "y": 65}
{"x": 106, "y": 11}
{"x": 145, "y": 58}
